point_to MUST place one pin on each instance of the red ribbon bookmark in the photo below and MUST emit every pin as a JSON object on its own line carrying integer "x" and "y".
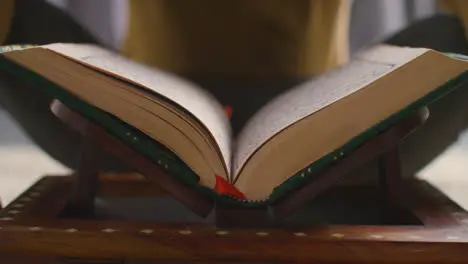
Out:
{"x": 225, "y": 188}
{"x": 228, "y": 110}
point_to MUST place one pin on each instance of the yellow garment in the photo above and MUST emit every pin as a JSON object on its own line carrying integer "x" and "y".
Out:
{"x": 6, "y": 13}
{"x": 233, "y": 38}
{"x": 254, "y": 38}
{"x": 458, "y": 8}
{"x": 239, "y": 37}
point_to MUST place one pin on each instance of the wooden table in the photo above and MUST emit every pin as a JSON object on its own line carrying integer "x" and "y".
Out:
{"x": 135, "y": 221}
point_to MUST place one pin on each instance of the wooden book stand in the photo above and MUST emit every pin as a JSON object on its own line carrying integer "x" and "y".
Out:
{"x": 89, "y": 217}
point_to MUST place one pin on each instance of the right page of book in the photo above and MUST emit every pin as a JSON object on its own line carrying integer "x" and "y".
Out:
{"x": 316, "y": 94}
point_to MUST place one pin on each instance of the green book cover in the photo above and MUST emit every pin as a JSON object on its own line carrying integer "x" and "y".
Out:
{"x": 178, "y": 169}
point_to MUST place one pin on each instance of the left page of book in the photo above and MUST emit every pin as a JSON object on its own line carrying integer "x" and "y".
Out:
{"x": 188, "y": 96}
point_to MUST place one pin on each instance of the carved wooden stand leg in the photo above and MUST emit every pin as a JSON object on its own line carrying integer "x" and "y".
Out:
{"x": 389, "y": 179}
{"x": 86, "y": 183}
{"x": 100, "y": 138}
{"x": 390, "y": 173}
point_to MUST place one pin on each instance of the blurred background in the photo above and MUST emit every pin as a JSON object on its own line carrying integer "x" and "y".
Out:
{"x": 21, "y": 162}
{"x": 371, "y": 20}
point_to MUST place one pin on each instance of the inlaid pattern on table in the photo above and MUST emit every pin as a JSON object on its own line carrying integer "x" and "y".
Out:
{"x": 51, "y": 236}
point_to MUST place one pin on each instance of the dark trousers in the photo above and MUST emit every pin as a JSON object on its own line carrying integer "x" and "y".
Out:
{"x": 38, "y": 23}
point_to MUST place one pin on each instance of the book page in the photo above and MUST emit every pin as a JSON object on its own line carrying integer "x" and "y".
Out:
{"x": 195, "y": 100}
{"x": 314, "y": 95}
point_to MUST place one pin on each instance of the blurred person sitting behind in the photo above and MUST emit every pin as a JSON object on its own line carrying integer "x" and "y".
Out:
{"x": 244, "y": 52}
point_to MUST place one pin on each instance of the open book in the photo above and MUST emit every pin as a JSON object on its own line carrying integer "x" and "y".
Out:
{"x": 183, "y": 128}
